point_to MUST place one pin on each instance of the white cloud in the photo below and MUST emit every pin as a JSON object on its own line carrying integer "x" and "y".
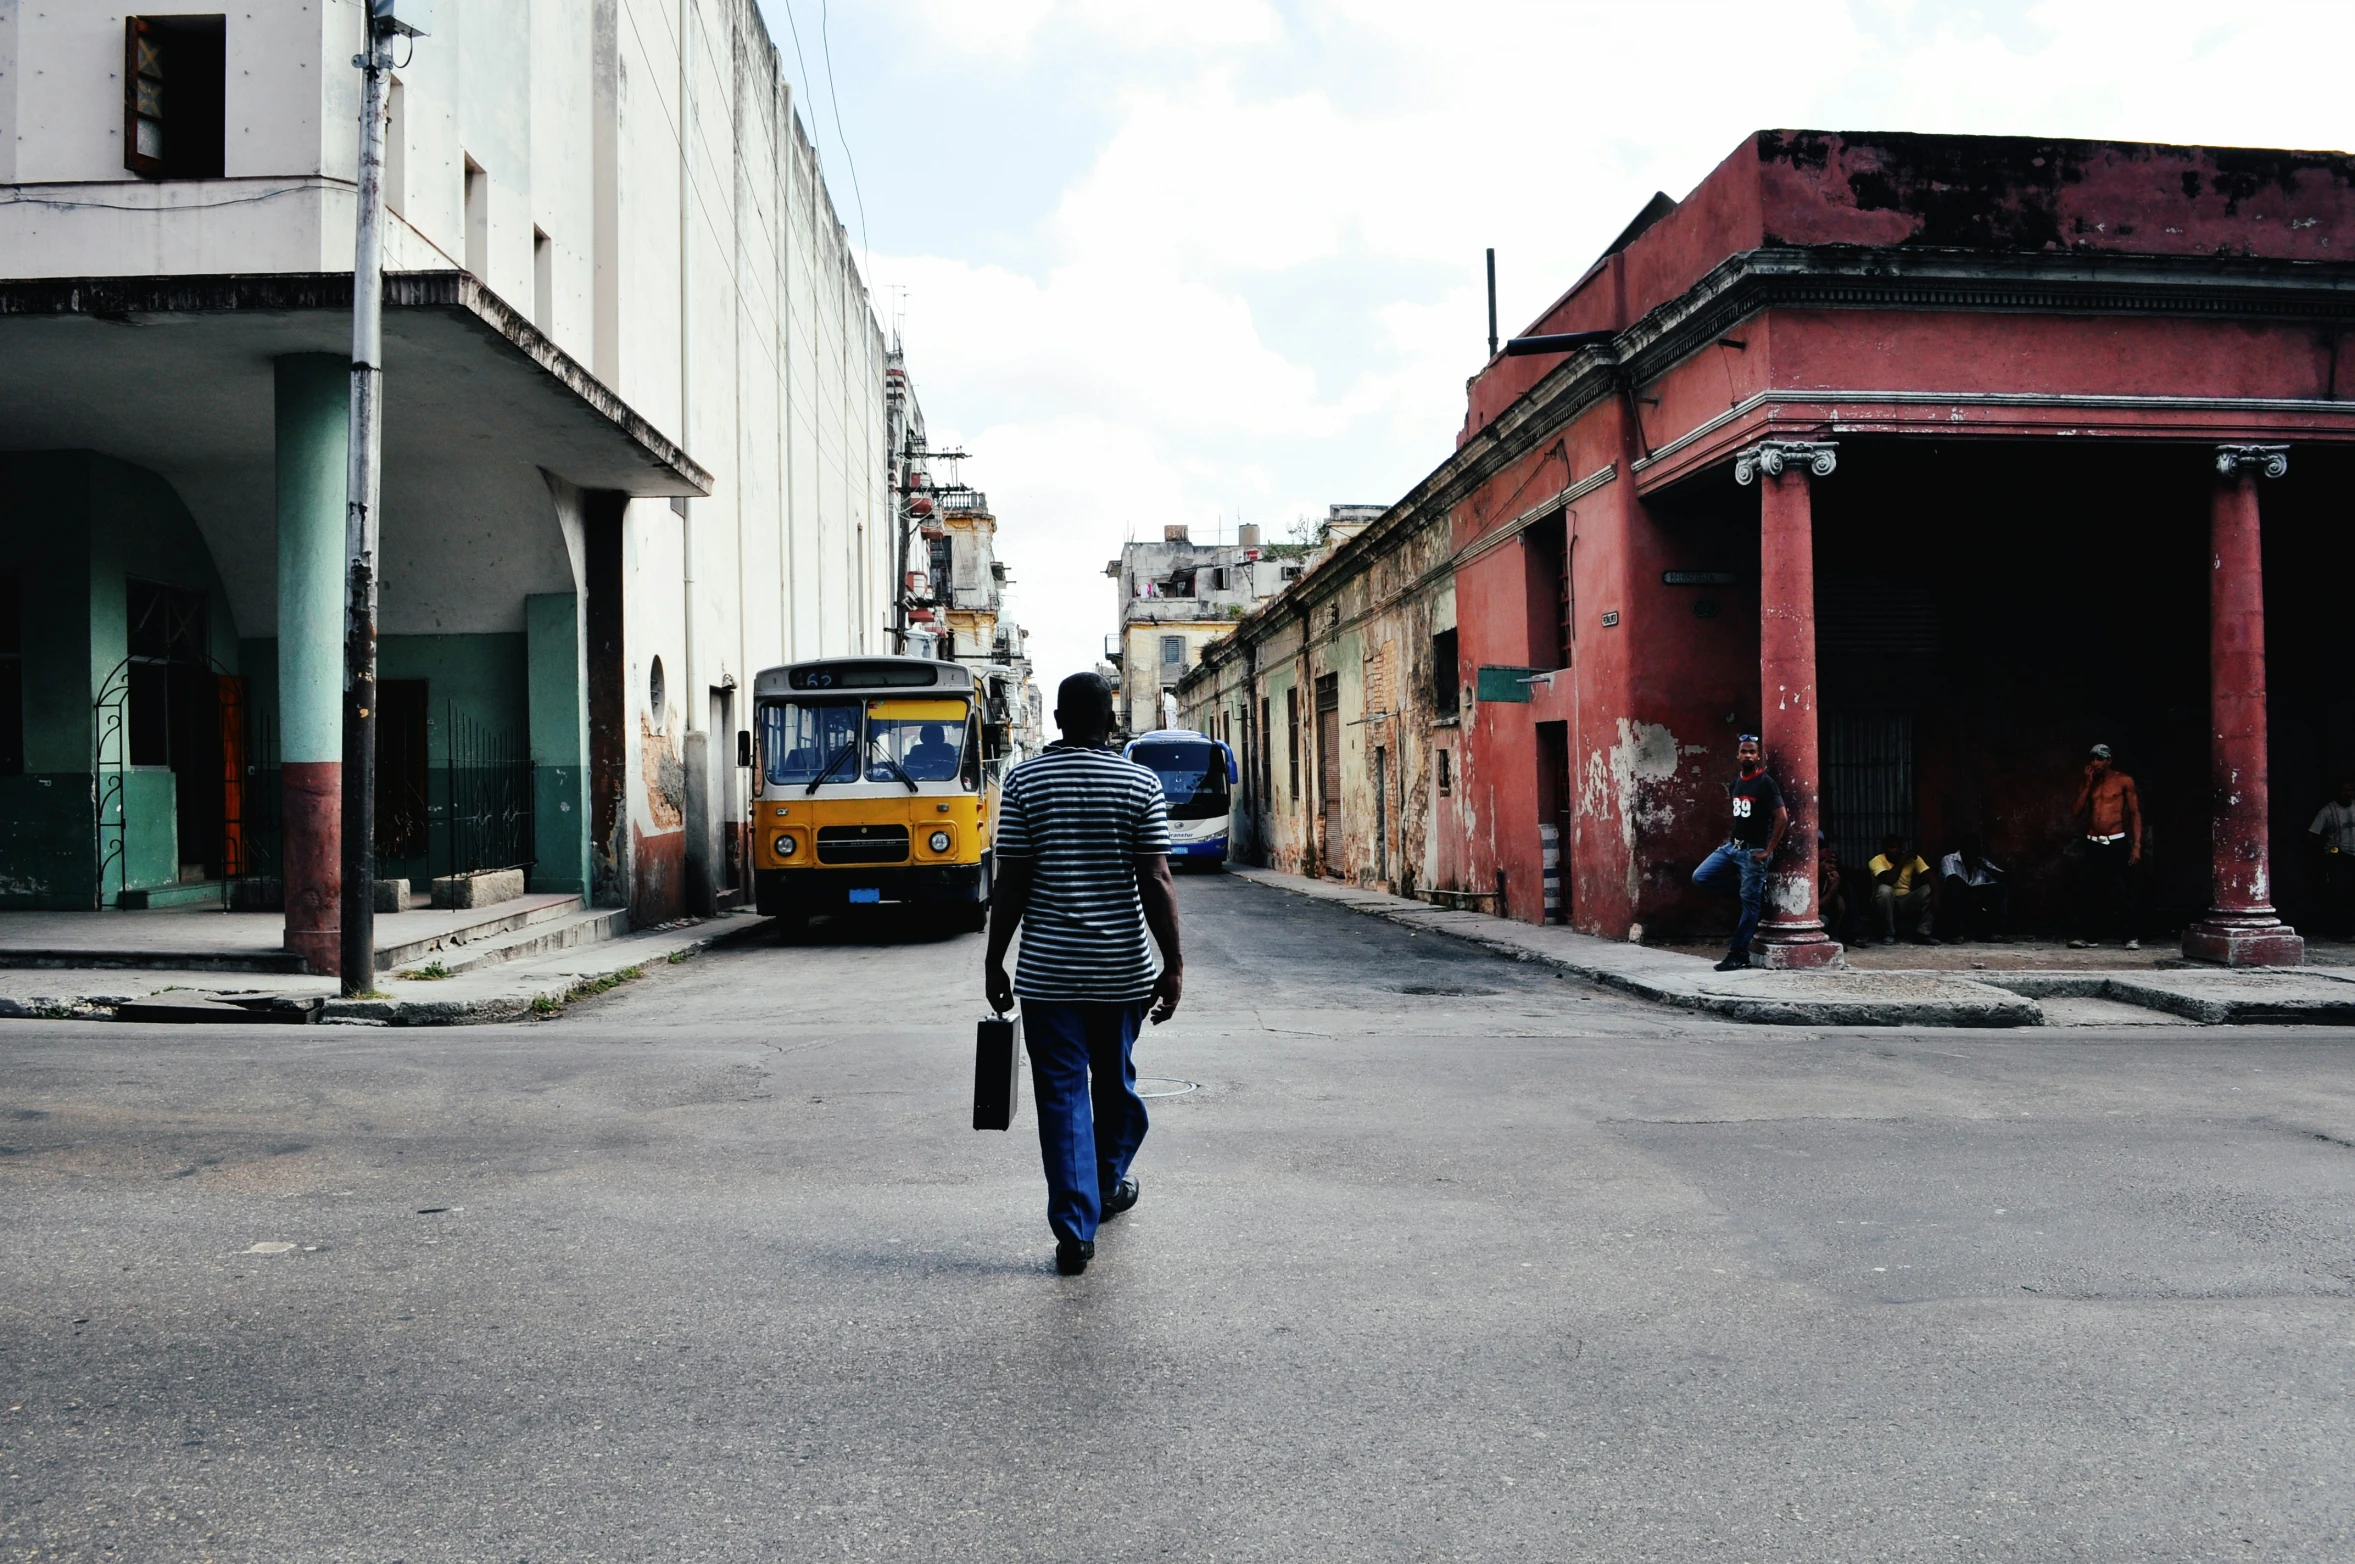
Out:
{"x": 1183, "y": 351}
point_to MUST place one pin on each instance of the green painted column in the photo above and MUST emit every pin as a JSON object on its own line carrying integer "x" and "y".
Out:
{"x": 558, "y": 679}
{"x": 313, "y": 430}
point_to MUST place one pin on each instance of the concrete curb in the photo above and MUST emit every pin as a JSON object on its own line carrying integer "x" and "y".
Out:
{"x": 1687, "y": 983}
{"x": 2303, "y": 996}
{"x": 517, "y": 991}
{"x": 538, "y": 1000}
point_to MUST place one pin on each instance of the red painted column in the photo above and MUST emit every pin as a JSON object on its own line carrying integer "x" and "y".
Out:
{"x": 2239, "y": 928}
{"x": 310, "y": 820}
{"x": 1791, "y": 934}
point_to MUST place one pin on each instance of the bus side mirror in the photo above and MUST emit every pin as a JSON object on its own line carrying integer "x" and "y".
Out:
{"x": 744, "y": 748}
{"x": 1234, "y": 772}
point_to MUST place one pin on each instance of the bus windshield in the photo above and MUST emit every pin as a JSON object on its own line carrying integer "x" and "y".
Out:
{"x": 1193, "y": 776}
{"x": 925, "y": 738}
{"x": 804, "y": 740}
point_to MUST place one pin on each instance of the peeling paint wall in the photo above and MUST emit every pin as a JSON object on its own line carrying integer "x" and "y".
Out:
{"x": 1364, "y": 617}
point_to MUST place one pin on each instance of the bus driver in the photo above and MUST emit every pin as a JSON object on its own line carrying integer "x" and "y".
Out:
{"x": 932, "y": 758}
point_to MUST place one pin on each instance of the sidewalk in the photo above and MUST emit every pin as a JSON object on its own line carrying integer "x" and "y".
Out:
{"x": 1914, "y": 997}
{"x": 539, "y": 984}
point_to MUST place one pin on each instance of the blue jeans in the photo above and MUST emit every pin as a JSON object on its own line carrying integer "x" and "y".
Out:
{"x": 1090, "y": 1118}
{"x": 1733, "y": 862}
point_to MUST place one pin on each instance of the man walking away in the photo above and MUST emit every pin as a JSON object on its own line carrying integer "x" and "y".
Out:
{"x": 2334, "y": 835}
{"x": 1082, "y": 865}
{"x": 2110, "y": 811}
{"x": 1901, "y": 887}
{"x": 1759, "y": 823}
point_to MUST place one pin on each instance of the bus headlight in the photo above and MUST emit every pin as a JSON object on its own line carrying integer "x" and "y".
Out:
{"x": 940, "y": 841}
{"x": 786, "y": 846}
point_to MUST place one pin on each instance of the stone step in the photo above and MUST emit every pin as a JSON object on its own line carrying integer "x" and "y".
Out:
{"x": 180, "y": 945}
{"x": 491, "y": 925}
{"x": 188, "y": 893}
{"x": 543, "y": 937}
{"x": 97, "y": 958}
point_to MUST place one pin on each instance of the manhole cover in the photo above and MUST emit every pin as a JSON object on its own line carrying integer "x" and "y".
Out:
{"x": 1161, "y": 1086}
{"x": 1447, "y": 991}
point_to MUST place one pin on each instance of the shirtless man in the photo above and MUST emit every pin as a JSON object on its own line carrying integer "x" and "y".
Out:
{"x": 2111, "y": 812}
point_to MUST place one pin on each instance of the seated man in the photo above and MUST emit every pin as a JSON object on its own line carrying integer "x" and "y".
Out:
{"x": 1901, "y": 884}
{"x": 1970, "y": 893}
{"x": 931, "y": 758}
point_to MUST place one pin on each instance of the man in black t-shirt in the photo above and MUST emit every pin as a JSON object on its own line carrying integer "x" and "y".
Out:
{"x": 1759, "y": 824}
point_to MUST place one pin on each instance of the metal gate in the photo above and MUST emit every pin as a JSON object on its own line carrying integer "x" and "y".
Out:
{"x": 1867, "y": 782}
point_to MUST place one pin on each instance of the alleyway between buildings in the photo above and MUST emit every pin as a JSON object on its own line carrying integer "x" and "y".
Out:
{"x": 1441, "y": 1255}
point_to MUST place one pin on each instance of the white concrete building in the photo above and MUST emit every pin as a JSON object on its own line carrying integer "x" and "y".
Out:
{"x": 1177, "y": 596}
{"x": 636, "y": 440}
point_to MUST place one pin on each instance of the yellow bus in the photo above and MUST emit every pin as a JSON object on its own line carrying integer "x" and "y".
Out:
{"x": 872, "y": 787}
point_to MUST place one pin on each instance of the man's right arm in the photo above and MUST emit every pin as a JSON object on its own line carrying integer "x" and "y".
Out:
{"x": 1009, "y": 899}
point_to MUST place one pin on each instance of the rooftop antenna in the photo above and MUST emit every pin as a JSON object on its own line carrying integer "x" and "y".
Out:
{"x": 1492, "y": 301}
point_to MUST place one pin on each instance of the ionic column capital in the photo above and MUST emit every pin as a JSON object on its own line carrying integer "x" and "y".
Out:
{"x": 1770, "y": 457}
{"x": 2263, "y": 461}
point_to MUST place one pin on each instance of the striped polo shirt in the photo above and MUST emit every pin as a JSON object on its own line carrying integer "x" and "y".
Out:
{"x": 1083, "y": 817}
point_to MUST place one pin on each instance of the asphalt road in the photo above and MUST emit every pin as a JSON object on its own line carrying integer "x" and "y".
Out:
{"x": 1442, "y": 1257}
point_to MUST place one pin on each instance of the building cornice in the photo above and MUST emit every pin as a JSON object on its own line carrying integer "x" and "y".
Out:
{"x": 1842, "y": 277}
{"x": 2077, "y": 283}
{"x": 133, "y": 300}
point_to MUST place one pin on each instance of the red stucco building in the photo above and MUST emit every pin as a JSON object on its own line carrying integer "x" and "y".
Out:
{"x": 1938, "y": 459}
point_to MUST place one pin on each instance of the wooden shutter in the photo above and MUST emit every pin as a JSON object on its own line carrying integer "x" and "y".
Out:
{"x": 143, "y": 97}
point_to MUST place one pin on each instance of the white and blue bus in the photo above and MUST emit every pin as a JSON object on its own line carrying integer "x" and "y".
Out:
{"x": 1196, "y": 774}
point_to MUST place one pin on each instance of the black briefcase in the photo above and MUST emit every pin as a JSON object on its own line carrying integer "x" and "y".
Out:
{"x": 997, "y": 1071}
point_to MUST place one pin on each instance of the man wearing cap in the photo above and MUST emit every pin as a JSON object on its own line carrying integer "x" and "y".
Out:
{"x": 1759, "y": 823}
{"x": 2111, "y": 813}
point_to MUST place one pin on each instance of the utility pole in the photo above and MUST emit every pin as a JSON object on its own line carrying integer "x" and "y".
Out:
{"x": 386, "y": 20}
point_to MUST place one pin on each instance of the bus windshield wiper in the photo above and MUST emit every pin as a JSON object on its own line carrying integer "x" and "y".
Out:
{"x": 896, "y": 771}
{"x": 847, "y": 749}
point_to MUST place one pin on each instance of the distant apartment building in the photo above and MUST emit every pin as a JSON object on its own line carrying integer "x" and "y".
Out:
{"x": 1176, "y": 597}
{"x": 955, "y": 599}
{"x": 636, "y": 446}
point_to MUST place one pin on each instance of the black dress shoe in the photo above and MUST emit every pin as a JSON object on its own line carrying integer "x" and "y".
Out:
{"x": 1123, "y": 1196}
{"x": 1072, "y": 1256}
{"x": 1735, "y": 961}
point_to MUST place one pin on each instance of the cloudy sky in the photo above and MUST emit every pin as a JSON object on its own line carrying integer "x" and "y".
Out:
{"x": 1204, "y": 261}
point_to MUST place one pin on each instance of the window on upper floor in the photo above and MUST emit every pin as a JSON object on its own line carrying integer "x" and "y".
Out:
{"x": 174, "y": 95}
{"x": 1173, "y": 651}
{"x": 1446, "y": 675}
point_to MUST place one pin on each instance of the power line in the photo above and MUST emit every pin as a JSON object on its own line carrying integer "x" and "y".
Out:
{"x": 834, "y": 102}
{"x": 835, "y": 105}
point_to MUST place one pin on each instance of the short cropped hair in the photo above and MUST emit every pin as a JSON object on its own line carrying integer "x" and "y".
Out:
{"x": 1086, "y": 697}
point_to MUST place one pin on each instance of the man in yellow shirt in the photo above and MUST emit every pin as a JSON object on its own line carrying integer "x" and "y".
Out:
{"x": 1901, "y": 884}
